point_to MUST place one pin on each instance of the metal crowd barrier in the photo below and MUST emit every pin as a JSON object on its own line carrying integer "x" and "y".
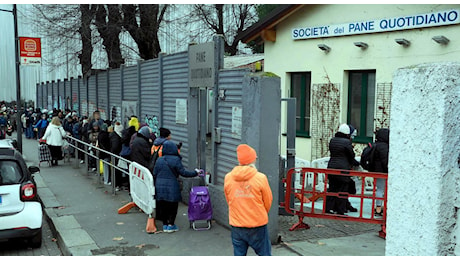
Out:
{"x": 310, "y": 201}
{"x": 87, "y": 148}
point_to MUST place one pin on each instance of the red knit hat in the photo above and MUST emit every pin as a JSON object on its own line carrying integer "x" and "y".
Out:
{"x": 246, "y": 154}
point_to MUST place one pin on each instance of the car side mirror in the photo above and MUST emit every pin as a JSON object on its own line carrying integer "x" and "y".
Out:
{"x": 34, "y": 169}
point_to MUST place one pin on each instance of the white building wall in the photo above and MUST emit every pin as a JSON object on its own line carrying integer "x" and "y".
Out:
{"x": 383, "y": 54}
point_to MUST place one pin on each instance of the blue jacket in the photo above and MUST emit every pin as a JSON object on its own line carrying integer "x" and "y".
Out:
{"x": 76, "y": 131}
{"x": 166, "y": 171}
{"x": 42, "y": 123}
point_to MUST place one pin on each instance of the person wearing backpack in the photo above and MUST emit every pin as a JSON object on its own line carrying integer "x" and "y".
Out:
{"x": 380, "y": 163}
{"x": 165, "y": 134}
{"x": 157, "y": 148}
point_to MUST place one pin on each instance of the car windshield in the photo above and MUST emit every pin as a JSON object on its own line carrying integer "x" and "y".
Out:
{"x": 10, "y": 173}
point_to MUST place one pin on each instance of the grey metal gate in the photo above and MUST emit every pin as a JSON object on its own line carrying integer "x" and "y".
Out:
{"x": 229, "y": 108}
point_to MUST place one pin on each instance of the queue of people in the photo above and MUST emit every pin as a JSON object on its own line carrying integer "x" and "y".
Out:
{"x": 247, "y": 190}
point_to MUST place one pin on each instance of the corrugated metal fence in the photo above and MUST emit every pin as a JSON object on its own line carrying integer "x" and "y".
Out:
{"x": 231, "y": 82}
{"x": 154, "y": 85}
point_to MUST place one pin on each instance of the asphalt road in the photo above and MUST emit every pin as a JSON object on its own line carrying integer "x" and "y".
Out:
{"x": 19, "y": 247}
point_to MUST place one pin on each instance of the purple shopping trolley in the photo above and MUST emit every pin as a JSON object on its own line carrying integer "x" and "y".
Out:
{"x": 199, "y": 207}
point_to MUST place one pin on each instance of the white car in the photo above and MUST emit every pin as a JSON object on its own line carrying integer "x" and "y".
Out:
{"x": 21, "y": 212}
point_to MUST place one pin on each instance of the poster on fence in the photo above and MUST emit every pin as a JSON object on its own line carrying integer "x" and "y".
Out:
{"x": 237, "y": 119}
{"x": 181, "y": 111}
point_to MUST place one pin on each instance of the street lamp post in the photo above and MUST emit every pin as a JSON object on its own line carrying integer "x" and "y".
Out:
{"x": 18, "y": 79}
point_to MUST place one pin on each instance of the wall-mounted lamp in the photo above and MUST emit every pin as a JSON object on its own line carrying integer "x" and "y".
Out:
{"x": 361, "y": 45}
{"x": 403, "y": 42}
{"x": 441, "y": 39}
{"x": 324, "y": 47}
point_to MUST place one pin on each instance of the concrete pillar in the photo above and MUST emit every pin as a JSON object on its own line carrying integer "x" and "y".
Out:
{"x": 423, "y": 191}
{"x": 261, "y": 121}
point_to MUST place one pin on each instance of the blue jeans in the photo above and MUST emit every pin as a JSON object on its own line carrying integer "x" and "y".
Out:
{"x": 29, "y": 132}
{"x": 257, "y": 238}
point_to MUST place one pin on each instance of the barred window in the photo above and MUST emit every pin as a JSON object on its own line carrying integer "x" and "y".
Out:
{"x": 300, "y": 89}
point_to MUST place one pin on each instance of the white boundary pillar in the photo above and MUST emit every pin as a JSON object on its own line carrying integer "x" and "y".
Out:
{"x": 423, "y": 190}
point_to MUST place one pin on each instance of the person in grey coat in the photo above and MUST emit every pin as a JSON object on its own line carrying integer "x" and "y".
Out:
{"x": 167, "y": 190}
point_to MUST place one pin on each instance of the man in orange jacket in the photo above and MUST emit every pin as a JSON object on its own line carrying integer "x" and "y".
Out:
{"x": 249, "y": 199}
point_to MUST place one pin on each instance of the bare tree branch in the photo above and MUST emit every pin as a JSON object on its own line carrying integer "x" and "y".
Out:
{"x": 145, "y": 31}
{"x": 229, "y": 20}
{"x": 108, "y": 23}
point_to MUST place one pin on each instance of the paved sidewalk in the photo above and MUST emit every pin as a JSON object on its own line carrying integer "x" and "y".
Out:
{"x": 83, "y": 213}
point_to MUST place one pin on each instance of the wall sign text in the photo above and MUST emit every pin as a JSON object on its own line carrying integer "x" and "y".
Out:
{"x": 379, "y": 25}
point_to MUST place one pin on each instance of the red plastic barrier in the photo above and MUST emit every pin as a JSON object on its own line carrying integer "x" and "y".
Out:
{"x": 306, "y": 200}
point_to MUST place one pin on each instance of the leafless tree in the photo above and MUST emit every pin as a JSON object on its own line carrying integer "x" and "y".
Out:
{"x": 109, "y": 25}
{"x": 229, "y": 20}
{"x": 76, "y": 31}
{"x": 143, "y": 23}
{"x": 59, "y": 25}
{"x": 87, "y": 12}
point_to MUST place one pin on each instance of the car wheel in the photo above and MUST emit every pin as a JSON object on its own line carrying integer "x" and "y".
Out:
{"x": 36, "y": 241}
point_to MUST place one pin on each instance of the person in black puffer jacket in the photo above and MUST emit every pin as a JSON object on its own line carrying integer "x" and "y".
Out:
{"x": 140, "y": 151}
{"x": 380, "y": 163}
{"x": 342, "y": 156}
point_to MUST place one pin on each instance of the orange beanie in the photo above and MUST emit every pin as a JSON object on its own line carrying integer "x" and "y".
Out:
{"x": 246, "y": 154}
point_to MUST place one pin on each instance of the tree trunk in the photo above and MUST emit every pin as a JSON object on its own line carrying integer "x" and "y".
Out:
{"x": 144, "y": 33}
{"x": 87, "y": 47}
{"x": 110, "y": 32}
